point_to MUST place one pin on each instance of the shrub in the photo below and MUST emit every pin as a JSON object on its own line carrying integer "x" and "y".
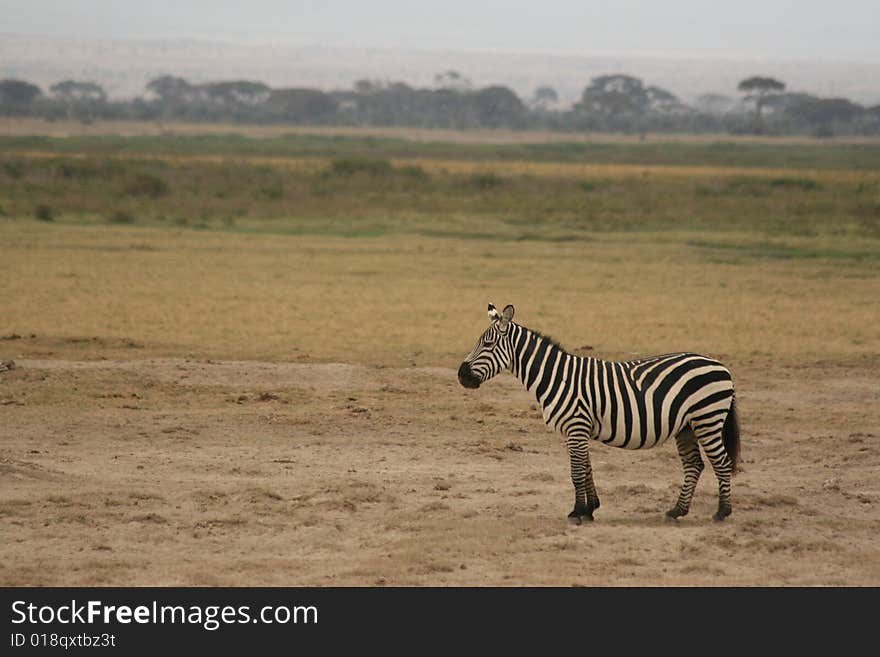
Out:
{"x": 806, "y": 184}
{"x": 14, "y": 169}
{"x": 485, "y": 180}
{"x": 146, "y": 184}
{"x": 273, "y": 192}
{"x": 44, "y": 212}
{"x": 121, "y": 217}
{"x": 76, "y": 169}
{"x": 414, "y": 171}
{"x": 349, "y": 166}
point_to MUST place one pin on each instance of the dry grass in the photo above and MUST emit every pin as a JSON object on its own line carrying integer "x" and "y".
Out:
{"x": 28, "y": 126}
{"x": 499, "y": 167}
{"x": 404, "y": 300}
{"x": 618, "y": 171}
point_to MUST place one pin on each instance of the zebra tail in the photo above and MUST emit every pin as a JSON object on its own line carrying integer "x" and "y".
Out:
{"x": 730, "y": 434}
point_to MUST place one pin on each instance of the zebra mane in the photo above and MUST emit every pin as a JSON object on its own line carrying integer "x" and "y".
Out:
{"x": 547, "y": 338}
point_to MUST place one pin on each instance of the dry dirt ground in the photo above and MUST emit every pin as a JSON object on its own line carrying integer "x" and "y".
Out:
{"x": 195, "y": 472}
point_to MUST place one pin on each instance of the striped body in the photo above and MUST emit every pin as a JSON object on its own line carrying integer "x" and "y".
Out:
{"x": 636, "y": 404}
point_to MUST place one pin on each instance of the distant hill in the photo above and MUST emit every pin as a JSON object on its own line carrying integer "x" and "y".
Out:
{"x": 122, "y": 67}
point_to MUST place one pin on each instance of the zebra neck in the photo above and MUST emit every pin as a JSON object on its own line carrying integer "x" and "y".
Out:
{"x": 536, "y": 357}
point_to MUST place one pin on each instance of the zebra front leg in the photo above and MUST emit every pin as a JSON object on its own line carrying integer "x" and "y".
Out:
{"x": 713, "y": 445}
{"x": 585, "y": 498}
{"x": 692, "y": 464}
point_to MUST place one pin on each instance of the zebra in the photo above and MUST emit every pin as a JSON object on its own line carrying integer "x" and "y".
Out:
{"x": 636, "y": 404}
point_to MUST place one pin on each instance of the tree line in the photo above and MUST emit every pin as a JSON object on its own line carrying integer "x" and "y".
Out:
{"x": 609, "y": 103}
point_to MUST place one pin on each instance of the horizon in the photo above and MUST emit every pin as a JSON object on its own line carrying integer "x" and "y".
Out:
{"x": 124, "y": 65}
{"x": 255, "y": 42}
{"x": 762, "y": 29}
{"x": 682, "y": 46}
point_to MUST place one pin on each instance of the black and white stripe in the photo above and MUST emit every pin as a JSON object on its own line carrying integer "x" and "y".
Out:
{"x": 633, "y": 405}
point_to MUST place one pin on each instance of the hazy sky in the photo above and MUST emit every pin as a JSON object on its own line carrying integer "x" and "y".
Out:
{"x": 803, "y": 29}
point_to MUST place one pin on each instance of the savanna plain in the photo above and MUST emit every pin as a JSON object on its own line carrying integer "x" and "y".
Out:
{"x": 228, "y": 356}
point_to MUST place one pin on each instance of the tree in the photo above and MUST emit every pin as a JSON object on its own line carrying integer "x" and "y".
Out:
{"x": 174, "y": 96}
{"x": 715, "y": 103}
{"x": 452, "y": 80}
{"x": 822, "y": 113}
{"x": 301, "y": 105}
{"x": 170, "y": 89}
{"x": 387, "y": 103}
{"x": 78, "y": 91}
{"x": 236, "y": 93}
{"x": 445, "y": 107}
{"x": 80, "y": 98}
{"x": 544, "y": 97}
{"x": 367, "y": 86}
{"x": 16, "y": 96}
{"x": 660, "y": 100}
{"x": 759, "y": 90}
{"x": 614, "y": 96}
{"x": 498, "y": 106}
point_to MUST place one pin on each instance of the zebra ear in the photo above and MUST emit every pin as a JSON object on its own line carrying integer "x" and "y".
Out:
{"x": 506, "y": 315}
{"x": 493, "y": 313}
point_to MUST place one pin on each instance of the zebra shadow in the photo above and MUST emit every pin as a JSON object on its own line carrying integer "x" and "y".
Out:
{"x": 649, "y": 520}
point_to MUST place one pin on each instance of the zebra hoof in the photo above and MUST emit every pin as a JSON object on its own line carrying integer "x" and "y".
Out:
{"x": 674, "y": 514}
{"x": 580, "y": 518}
{"x": 721, "y": 514}
{"x": 670, "y": 519}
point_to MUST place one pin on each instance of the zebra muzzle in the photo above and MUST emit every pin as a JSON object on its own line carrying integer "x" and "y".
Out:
{"x": 467, "y": 378}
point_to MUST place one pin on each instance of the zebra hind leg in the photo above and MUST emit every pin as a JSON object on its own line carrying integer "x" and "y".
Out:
{"x": 713, "y": 445}
{"x": 692, "y": 464}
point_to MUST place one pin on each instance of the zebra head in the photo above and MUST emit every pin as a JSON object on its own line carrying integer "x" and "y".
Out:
{"x": 492, "y": 353}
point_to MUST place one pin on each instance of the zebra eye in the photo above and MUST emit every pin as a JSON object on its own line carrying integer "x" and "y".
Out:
{"x": 488, "y": 342}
